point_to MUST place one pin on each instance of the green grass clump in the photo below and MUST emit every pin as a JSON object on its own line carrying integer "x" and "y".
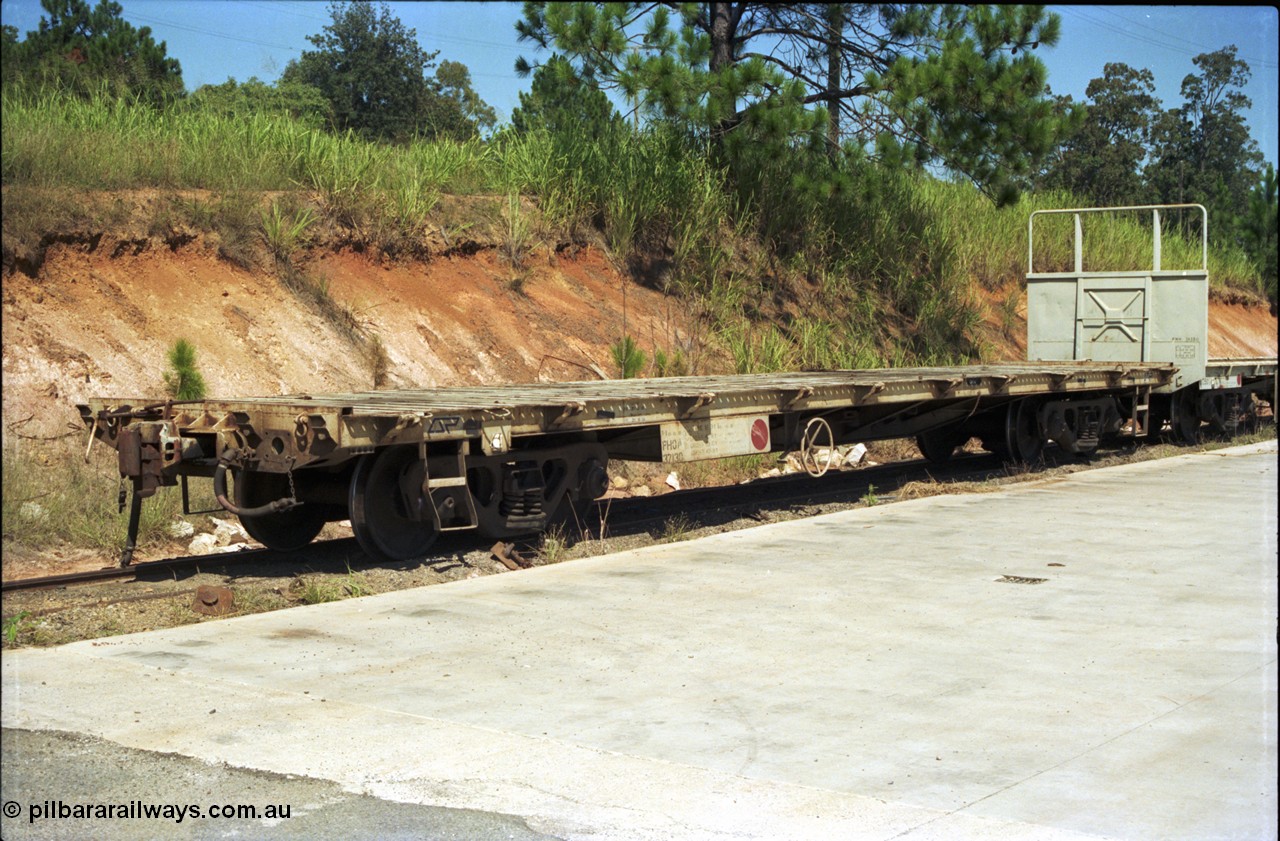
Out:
{"x": 673, "y": 364}
{"x": 14, "y": 626}
{"x": 285, "y": 229}
{"x": 555, "y": 545}
{"x": 677, "y": 529}
{"x": 721, "y": 471}
{"x": 53, "y": 498}
{"x": 758, "y": 349}
{"x": 318, "y": 589}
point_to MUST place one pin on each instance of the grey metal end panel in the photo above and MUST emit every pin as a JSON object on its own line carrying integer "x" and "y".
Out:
{"x": 1180, "y": 323}
{"x": 1121, "y": 317}
{"x": 1051, "y": 317}
{"x": 1112, "y": 315}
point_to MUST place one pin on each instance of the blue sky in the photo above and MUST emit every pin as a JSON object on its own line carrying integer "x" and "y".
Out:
{"x": 217, "y": 39}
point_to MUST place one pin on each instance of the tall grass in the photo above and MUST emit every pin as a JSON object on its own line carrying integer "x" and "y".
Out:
{"x": 51, "y": 139}
{"x": 52, "y": 496}
{"x": 788, "y": 266}
{"x": 285, "y": 228}
{"x": 991, "y": 244}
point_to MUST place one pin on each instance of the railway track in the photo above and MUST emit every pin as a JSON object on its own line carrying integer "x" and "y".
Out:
{"x": 699, "y": 507}
{"x": 147, "y": 568}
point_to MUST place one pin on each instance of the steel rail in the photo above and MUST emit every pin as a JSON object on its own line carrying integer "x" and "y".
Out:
{"x": 131, "y": 571}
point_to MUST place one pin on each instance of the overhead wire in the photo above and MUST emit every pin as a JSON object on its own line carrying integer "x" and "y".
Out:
{"x": 147, "y": 19}
{"x": 1078, "y": 12}
{"x": 1250, "y": 59}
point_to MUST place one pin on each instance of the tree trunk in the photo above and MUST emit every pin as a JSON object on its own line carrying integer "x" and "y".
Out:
{"x": 721, "y": 20}
{"x": 835, "y": 26}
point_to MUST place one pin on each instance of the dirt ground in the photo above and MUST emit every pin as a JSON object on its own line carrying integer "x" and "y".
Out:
{"x": 1240, "y": 330}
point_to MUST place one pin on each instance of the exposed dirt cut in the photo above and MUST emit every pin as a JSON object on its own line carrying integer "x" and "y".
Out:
{"x": 1241, "y": 330}
{"x": 97, "y": 320}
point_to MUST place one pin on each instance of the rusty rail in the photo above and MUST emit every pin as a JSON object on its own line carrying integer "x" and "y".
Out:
{"x": 133, "y": 571}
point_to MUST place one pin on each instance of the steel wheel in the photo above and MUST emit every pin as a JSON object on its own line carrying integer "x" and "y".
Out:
{"x": 938, "y": 445}
{"x": 1160, "y": 413}
{"x": 283, "y": 531}
{"x": 1186, "y": 416}
{"x": 1214, "y": 411}
{"x": 1023, "y": 438}
{"x": 383, "y": 487}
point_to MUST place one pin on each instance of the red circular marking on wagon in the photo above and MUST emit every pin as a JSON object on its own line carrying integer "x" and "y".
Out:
{"x": 760, "y": 434}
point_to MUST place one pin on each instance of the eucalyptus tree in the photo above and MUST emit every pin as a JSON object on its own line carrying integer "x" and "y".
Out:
{"x": 1202, "y": 150}
{"x": 1104, "y": 160}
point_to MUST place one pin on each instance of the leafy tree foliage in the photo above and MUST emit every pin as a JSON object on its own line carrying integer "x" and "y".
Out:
{"x": 1259, "y": 228}
{"x": 1130, "y": 151}
{"x": 560, "y": 100}
{"x": 1203, "y": 151}
{"x": 1103, "y": 161}
{"x": 455, "y": 83}
{"x": 375, "y": 76}
{"x": 85, "y": 50}
{"x": 8, "y": 52}
{"x": 911, "y": 85}
{"x": 302, "y": 102}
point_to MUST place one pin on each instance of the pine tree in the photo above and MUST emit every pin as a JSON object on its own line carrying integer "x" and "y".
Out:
{"x": 88, "y": 50}
{"x": 183, "y": 380}
{"x": 955, "y": 86}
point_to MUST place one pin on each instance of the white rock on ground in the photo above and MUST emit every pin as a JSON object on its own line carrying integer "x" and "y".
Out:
{"x": 203, "y": 544}
{"x": 181, "y": 529}
{"x": 32, "y": 511}
{"x": 226, "y": 532}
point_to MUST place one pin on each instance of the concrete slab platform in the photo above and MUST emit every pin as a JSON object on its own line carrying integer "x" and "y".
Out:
{"x": 867, "y": 674}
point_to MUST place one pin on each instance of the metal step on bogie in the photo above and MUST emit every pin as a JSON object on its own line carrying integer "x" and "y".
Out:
{"x": 444, "y": 487}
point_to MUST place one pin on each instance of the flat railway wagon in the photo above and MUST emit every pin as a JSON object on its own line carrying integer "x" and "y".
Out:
{"x": 1111, "y": 354}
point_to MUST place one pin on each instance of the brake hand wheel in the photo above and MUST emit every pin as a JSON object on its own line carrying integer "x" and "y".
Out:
{"x": 814, "y": 431}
